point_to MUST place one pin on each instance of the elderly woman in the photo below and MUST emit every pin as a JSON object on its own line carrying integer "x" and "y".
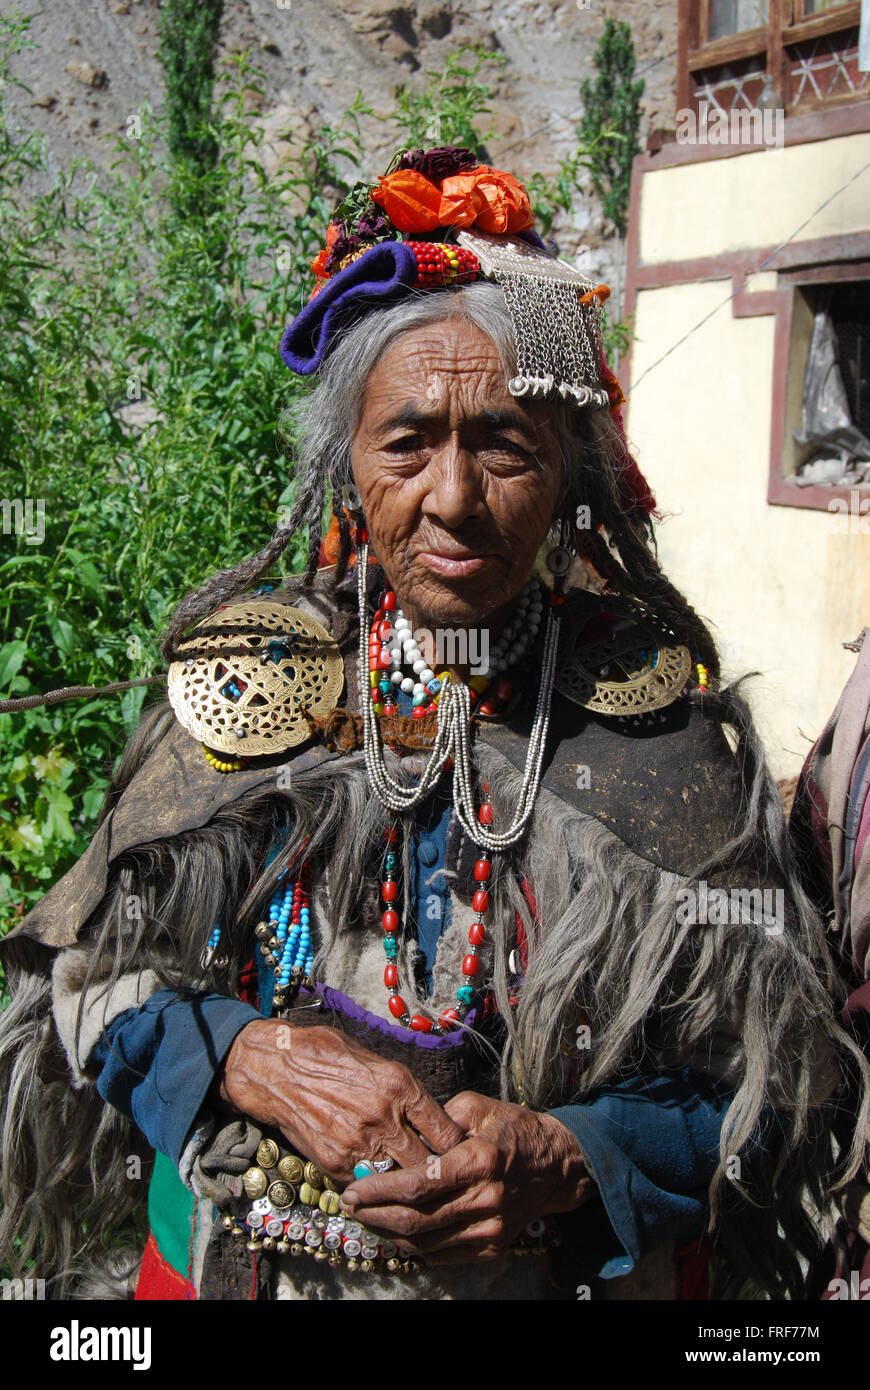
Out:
{"x": 407, "y": 941}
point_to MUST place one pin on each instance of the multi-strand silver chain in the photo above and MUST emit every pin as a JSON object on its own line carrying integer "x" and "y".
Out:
{"x": 558, "y": 340}
{"x": 452, "y": 739}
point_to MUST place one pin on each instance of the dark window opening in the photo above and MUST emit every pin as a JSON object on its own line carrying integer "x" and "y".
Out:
{"x": 849, "y": 309}
{"x": 828, "y": 407}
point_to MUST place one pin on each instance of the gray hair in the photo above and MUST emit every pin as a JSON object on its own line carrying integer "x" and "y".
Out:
{"x": 325, "y": 422}
{"x": 322, "y": 425}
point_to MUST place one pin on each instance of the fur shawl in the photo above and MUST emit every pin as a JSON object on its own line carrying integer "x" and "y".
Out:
{"x": 682, "y": 796}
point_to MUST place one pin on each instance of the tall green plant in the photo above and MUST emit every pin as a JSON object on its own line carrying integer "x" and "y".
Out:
{"x": 446, "y": 108}
{"x": 138, "y": 408}
{"x": 612, "y": 105}
{"x": 188, "y": 42}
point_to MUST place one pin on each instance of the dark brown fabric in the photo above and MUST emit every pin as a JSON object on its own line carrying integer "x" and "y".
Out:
{"x": 231, "y": 1272}
{"x": 668, "y": 787}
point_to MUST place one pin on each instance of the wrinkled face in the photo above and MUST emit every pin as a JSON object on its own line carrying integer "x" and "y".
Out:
{"x": 459, "y": 480}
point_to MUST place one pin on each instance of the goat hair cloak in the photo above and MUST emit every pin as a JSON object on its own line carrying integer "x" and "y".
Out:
{"x": 667, "y": 803}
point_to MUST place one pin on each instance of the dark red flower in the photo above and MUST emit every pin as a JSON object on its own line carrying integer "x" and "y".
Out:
{"x": 341, "y": 247}
{"x": 439, "y": 162}
{"x": 374, "y": 225}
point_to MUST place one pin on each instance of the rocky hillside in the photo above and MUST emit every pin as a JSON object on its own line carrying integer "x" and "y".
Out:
{"x": 94, "y": 63}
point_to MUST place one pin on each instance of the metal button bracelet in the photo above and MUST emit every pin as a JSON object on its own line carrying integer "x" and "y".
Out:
{"x": 292, "y": 1208}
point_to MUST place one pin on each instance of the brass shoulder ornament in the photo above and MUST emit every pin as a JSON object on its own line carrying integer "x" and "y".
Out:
{"x": 248, "y": 673}
{"x": 626, "y": 667}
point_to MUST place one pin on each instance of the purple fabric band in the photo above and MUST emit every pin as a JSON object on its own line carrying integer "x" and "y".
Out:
{"x": 531, "y": 235}
{"x": 340, "y": 1003}
{"x": 376, "y": 276}
{"x": 379, "y": 275}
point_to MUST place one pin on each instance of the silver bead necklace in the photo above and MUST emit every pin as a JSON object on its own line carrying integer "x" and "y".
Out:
{"x": 452, "y": 738}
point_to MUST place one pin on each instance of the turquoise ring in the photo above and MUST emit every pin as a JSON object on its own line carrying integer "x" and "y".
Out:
{"x": 368, "y": 1167}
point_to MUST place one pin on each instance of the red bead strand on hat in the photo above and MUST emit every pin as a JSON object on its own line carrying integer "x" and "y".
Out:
{"x": 442, "y": 263}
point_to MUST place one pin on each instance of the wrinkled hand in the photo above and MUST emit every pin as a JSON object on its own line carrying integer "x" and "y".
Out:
{"x": 335, "y": 1101}
{"x": 512, "y": 1165}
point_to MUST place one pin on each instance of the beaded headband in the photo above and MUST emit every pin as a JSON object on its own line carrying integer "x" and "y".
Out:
{"x": 438, "y": 219}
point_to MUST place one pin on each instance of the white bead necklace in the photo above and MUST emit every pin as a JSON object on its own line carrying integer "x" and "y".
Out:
{"x": 513, "y": 642}
{"x": 451, "y": 735}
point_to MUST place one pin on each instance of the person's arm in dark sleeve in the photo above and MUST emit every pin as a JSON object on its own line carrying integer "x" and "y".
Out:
{"x": 651, "y": 1144}
{"x": 157, "y": 1063}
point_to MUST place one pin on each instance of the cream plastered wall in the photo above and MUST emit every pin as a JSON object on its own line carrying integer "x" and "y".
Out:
{"x": 781, "y": 587}
{"x": 754, "y": 199}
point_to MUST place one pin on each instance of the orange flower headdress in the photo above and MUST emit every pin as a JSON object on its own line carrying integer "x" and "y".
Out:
{"x": 437, "y": 219}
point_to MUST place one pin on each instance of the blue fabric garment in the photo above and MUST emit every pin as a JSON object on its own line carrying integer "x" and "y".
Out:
{"x": 651, "y": 1145}
{"x": 649, "y": 1142}
{"x": 431, "y": 895}
{"x": 157, "y": 1062}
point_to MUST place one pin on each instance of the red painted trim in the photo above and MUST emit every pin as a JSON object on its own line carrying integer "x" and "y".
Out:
{"x": 777, "y": 487}
{"x": 808, "y": 275}
{"x": 781, "y": 493}
{"x": 811, "y": 261}
{"x": 779, "y": 303}
{"x": 749, "y": 260}
{"x": 746, "y": 305}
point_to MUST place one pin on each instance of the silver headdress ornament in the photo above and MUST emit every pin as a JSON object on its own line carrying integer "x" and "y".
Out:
{"x": 556, "y": 313}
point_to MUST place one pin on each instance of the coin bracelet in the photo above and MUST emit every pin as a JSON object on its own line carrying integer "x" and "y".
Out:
{"x": 292, "y": 1208}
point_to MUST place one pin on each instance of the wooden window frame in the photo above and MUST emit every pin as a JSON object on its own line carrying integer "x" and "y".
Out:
{"x": 787, "y": 24}
{"x": 780, "y": 492}
{"x": 797, "y": 262}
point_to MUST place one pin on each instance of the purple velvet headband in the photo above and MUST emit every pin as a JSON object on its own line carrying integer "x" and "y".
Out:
{"x": 382, "y": 274}
{"x": 566, "y": 362}
{"x": 379, "y": 274}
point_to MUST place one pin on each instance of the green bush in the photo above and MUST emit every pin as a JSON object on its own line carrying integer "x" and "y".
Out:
{"x": 141, "y": 292}
{"x": 110, "y": 302}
